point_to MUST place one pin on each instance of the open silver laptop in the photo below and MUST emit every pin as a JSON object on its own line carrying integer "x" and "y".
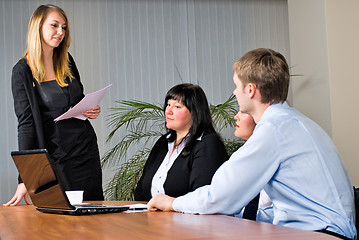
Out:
{"x": 45, "y": 188}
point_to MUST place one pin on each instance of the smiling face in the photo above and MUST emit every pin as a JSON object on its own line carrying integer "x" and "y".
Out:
{"x": 178, "y": 117}
{"x": 53, "y": 30}
{"x": 244, "y": 125}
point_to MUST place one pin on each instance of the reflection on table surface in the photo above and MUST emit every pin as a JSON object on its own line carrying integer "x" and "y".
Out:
{"x": 25, "y": 222}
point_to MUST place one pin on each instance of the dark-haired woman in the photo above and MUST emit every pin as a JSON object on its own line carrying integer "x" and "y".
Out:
{"x": 187, "y": 156}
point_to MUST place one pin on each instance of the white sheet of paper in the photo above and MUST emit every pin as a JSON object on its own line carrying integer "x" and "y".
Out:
{"x": 137, "y": 207}
{"x": 89, "y": 101}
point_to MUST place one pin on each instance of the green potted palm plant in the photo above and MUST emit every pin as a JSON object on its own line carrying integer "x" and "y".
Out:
{"x": 143, "y": 123}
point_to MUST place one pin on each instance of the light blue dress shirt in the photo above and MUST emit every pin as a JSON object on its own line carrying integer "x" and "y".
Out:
{"x": 299, "y": 167}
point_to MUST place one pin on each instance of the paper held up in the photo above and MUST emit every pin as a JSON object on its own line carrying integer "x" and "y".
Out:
{"x": 89, "y": 101}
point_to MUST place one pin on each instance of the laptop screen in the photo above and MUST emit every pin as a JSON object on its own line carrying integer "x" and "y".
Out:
{"x": 39, "y": 178}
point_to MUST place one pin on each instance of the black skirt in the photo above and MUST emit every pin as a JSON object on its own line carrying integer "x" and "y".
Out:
{"x": 71, "y": 143}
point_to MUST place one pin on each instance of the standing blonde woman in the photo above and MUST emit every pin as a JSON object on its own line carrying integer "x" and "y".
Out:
{"x": 45, "y": 84}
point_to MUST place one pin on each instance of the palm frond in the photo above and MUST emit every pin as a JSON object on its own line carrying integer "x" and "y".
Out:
{"x": 119, "y": 151}
{"x": 124, "y": 182}
{"x": 233, "y": 145}
{"x": 134, "y": 115}
{"x": 222, "y": 114}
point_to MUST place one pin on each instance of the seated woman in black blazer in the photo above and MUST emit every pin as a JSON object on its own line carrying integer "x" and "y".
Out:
{"x": 188, "y": 155}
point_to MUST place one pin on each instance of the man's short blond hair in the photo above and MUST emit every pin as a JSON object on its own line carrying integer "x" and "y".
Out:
{"x": 267, "y": 69}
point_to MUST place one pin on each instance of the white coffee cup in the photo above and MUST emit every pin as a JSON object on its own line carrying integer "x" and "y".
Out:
{"x": 75, "y": 197}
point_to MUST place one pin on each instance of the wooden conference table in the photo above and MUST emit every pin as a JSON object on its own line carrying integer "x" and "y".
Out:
{"x": 25, "y": 222}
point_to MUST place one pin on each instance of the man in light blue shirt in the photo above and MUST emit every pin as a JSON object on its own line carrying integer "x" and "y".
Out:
{"x": 288, "y": 155}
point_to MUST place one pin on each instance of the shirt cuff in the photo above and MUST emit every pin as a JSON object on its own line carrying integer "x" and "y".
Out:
{"x": 175, "y": 204}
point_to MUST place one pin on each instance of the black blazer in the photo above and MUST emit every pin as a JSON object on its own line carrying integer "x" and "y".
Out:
{"x": 30, "y": 128}
{"x": 187, "y": 173}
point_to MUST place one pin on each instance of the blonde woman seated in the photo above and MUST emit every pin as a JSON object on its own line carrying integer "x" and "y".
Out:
{"x": 244, "y": 128}
{"x": 187, "y": 156}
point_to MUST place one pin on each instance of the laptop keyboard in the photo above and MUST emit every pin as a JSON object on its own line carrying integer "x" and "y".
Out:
{"x": 100, "y": 210}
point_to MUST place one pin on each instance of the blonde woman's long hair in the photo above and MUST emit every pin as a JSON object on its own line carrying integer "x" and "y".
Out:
{"x": 33, "y": 53}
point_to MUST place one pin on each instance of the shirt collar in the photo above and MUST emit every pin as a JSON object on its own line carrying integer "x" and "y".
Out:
{"x": 183, "y": 142}
{"x": 273, "y": 109}
{"x": 199, "y": 138}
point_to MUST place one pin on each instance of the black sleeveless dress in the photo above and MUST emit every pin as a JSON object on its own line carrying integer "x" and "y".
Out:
{"x": 72, "y": 143}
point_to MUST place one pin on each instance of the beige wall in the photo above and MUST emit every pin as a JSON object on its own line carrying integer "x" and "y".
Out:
{"x": 324, "y": 43}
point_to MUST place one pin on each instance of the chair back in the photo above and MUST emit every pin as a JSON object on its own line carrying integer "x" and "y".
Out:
{"x": 356, "y": 201}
